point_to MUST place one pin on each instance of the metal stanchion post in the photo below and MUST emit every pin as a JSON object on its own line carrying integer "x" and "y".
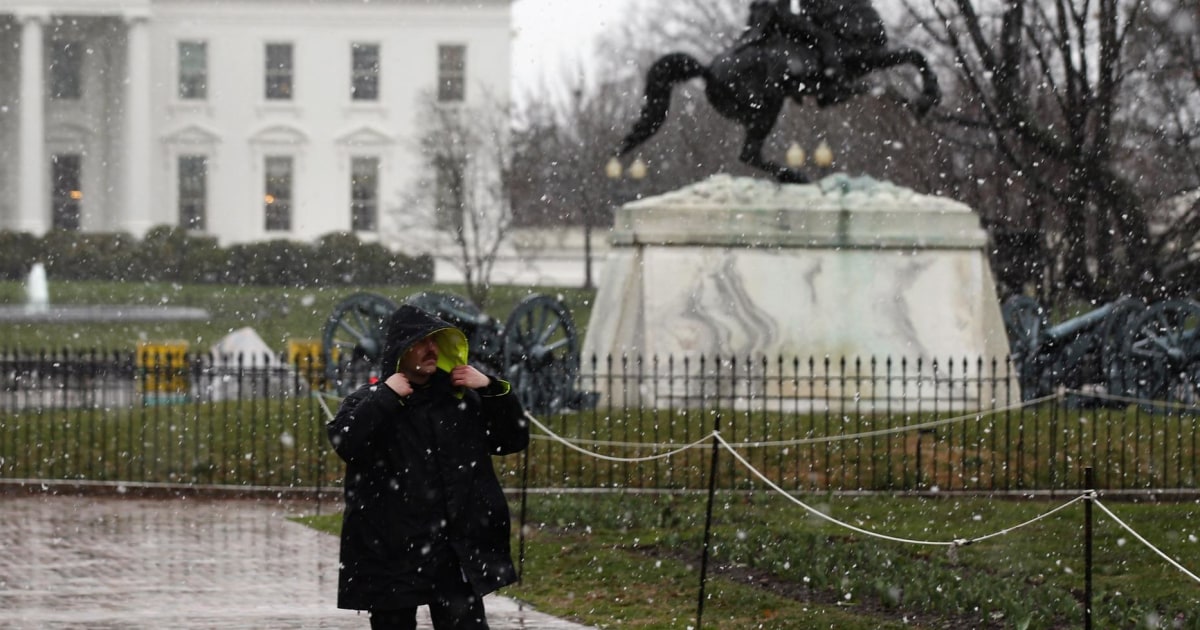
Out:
{"x": 1089, "y": 480}
{"x": 712, "y": 491}
{"x": 521, "y": 532}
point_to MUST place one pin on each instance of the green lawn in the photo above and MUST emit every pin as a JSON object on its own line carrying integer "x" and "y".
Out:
{"x": 633, "y": 561}
{"x": 278, "y": 314}
{"x": 198, "y": 439}
{"x": 254, "y": 441}
{"x": 629, "y": 560}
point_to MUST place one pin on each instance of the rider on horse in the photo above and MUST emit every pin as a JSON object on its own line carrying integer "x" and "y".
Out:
{"x": 820, "y": 52}
{"x": 835, "y": 29}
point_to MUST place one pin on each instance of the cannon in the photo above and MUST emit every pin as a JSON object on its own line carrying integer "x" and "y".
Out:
{"x": 1162, "y": 353}
{"x": 536, "y": 349}
{"x": 1126, "y": 348}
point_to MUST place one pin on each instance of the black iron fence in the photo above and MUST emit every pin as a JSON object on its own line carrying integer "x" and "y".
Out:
{"x": 163, "y": 417}
{"x": 808, "y": 425}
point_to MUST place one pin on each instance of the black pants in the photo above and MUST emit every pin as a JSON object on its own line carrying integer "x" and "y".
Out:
{"x": 455, "y": 606}
{"x": 447, "y": 615}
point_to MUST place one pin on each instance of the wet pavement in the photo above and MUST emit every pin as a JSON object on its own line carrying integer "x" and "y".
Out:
{"x": 103, "y": 563}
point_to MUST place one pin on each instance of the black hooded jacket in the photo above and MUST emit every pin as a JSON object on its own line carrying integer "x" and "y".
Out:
{"x": 420, "y": 487}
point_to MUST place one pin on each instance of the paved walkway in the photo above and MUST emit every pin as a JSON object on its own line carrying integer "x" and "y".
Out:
{"x": 108, "y": 563}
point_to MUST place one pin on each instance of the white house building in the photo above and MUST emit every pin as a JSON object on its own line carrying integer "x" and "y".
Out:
{"x": 243, "y": 119}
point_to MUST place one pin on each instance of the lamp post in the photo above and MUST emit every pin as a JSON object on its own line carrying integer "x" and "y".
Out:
{"x": 796, "y": 156}
{"x": 614, "y": 172}
{"x": 822, "y": 156}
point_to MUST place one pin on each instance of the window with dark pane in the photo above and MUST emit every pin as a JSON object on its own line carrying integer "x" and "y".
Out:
{"x": 193, "y": 191}
{"x": 279, "y": 72}
{"x": 66, "y": 194}
{"x": 364, "y": 194}
{"x": 278, "y": 196}
{"x": 449, "y": 191}
{"x": 193, "y": 70}
{"x": 66, "y": 70}
{"x": 364, "y": 72}
{"x": 452, "y": 72}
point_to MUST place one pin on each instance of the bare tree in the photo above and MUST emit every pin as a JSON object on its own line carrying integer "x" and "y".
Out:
{"x": 1051, "y": 90}
{"x": 1161, "y": 119}
{"x": 463, "y": 213}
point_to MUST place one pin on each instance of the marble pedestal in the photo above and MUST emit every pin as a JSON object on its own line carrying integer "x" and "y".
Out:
{"x": 736, "y": 270}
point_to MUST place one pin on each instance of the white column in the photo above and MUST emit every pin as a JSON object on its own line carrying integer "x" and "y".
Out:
{"x": 136, "y": 217}
{"x": 33, "y": 203}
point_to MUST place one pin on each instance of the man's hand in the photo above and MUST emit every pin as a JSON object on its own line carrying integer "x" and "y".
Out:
{"x": 399, "y": 384}
{"x": 469, "y": 377}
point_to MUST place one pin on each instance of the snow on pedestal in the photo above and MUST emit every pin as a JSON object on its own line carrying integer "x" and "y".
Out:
{"x": 843, "y": 268}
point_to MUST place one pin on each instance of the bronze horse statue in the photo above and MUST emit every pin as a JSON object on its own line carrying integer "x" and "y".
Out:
{"x": 750, "y": 82}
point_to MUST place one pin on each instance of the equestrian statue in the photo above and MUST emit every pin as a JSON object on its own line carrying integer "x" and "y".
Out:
{"x": 820, "y": 52}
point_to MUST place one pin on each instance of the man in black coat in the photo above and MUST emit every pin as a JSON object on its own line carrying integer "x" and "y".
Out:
{"x": 425, "y": 522}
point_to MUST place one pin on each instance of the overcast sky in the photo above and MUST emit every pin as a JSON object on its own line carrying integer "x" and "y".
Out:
{"x": 554, "y": 35}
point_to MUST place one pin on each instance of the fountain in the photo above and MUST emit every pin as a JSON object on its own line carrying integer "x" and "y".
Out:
{"x": 37, "y": 308}
{"x": 37, "y": 293}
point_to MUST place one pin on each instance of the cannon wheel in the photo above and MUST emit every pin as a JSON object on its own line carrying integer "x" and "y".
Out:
{"x": 1161, "y": 350}
{"x": 541, "y": 354}
{"x": 1024, "y": 321}
{"x": 353, "y": 338}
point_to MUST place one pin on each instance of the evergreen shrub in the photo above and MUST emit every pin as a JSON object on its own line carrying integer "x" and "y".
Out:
{"x": 171, "y": 254}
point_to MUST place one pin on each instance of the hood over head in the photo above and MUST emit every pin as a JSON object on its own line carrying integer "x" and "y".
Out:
{"x": 407, "y": 326}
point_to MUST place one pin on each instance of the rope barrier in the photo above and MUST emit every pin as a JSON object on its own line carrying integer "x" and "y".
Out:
{"x": 607, "y": 458}
{"x": 554, "y": 436}
{"x": 716, "y": 436}
{"x": 1031, "y": 521}
{"x": 958, "y": 542}
{"x": 647, "y": 445}
{"x": 1138, "y": 536}
{"x": 328, "y": 413}
{"x": 1166, "y": 404}
{"x": 820, "y": 514}
{"x": 932, "y": 424}
{"x": 824, "y": 439}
